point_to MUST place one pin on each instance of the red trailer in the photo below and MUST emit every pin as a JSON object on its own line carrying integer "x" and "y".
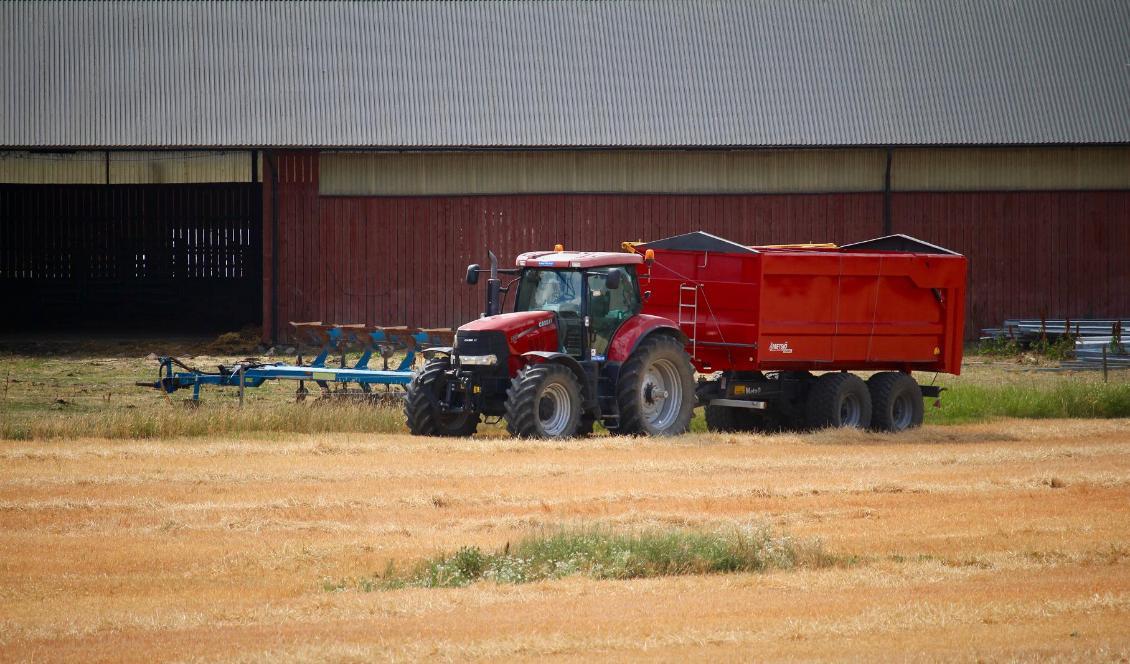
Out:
{"x": 893, "y": 304}
{"x": 616, "y": 338}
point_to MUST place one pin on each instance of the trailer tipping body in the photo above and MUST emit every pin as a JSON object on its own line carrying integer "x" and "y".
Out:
{"x": 892, "y": 303}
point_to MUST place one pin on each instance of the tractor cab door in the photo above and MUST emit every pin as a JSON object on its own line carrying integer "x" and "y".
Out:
{"x": 609, "y": 307}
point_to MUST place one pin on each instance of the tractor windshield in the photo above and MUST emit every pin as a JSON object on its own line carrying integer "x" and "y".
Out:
{"x": 559, "y": 291}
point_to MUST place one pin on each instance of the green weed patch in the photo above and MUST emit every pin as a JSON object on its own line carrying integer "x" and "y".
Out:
{"x": 600, "y": 554}
{"x": 972, "y": 403}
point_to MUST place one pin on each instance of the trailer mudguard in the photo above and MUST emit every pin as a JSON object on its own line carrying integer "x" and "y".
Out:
{"x": 637, "y": 328}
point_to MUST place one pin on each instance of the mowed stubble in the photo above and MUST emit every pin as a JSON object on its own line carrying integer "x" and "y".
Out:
{"x": 998, "y": 540}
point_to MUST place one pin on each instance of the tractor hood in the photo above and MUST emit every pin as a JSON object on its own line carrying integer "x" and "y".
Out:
{"x": 509, "y": 323}
{"x": 513, "y": 334}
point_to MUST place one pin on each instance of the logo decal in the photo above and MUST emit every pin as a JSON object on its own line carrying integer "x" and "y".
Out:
{"x": 782, "y": 347}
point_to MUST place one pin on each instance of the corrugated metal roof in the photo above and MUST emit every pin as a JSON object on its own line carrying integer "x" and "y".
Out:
{"x": 501, "y": 74}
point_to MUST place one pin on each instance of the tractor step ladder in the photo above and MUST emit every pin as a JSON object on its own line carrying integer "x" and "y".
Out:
{"x": 688, "y": 313}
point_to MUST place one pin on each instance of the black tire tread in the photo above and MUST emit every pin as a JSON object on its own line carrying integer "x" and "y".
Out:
{"x": 721, "y": 419}
{"x": 725, "y": 419}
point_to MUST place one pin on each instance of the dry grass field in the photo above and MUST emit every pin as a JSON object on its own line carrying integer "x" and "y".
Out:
{"x": 133, "y": 528}
{"x": 1000, "y": 541}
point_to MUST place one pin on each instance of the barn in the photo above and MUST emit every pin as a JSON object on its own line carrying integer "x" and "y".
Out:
{"x": 211, "y": 165}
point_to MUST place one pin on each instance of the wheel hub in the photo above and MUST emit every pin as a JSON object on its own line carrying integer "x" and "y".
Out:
{"x": 554, "y": 410}
{"x": 661, "y": 394}
{"x": 851, "y": 412}
{"x": 651, "y": 393}
{"x": 902, "y": 412}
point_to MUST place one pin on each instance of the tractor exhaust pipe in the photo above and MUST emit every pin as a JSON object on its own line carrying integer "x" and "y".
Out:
{"x": 494, "y": 287}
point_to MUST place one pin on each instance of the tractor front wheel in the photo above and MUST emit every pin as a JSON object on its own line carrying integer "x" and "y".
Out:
{"x": 656, "y": 389}
{"x": 544, "y": 401}
{"x": 421, "y": 405}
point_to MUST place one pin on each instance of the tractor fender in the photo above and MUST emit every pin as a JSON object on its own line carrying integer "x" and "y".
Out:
{"x": 434, "y": 351}
{"x": 544, "y": 356}
{"x": 637, "y": 328}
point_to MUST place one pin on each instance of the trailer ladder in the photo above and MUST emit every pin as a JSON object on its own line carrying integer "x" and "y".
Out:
{"x": 688, "y": 313}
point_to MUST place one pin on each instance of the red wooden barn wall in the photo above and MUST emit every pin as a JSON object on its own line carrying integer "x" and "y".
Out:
{"x": 1031, "y": 254}
{"x": 401, "y": 260}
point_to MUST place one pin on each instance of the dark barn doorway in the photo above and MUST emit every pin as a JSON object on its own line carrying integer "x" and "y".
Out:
{"x": 147, "y": 257}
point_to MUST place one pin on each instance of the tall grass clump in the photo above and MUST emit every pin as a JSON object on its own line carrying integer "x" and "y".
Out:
{"x": 600, "y": 554}
{"x": 206, "y": 420}
{"x": 968, "y": 403}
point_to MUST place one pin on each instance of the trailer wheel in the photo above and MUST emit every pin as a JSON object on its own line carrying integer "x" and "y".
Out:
{"x": 838, "y": 400}
{"x": 543, "y": 401}
{"x": 656, "y": 389}
{"x": 729, "y": 419}
{"x": 896, "y": 401}
{"x": 420, "y": 405}
{"x": 789, "y": 411}
{"x": 721, "y": 418}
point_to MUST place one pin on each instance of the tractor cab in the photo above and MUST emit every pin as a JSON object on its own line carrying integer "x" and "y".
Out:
{"x": 590, "y": 295}
{"x": 581, "y": 297}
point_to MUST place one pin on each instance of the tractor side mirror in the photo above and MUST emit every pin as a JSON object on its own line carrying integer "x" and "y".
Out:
{"x": 612, "y": 281}
{"x": 473, "y": 274}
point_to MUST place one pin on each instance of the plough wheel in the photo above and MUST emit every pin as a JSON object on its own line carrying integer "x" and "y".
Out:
{"x": 423, "y": 393}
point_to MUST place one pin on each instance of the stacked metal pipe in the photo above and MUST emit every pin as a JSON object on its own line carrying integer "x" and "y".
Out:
{"x": 1098, "y": 342}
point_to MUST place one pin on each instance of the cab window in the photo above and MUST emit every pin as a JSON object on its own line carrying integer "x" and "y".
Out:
{"x": 559, "y": 291}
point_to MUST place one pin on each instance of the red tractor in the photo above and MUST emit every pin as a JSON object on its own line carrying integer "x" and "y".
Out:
{"x": 575, "y": 350}
{"x": 618, "y": 337}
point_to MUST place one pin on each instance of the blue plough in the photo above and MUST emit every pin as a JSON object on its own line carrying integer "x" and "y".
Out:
{"x": 334, "y": 341}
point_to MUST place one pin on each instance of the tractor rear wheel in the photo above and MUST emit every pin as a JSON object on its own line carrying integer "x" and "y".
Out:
{"x": 421, "y": 401}
{"x": 896, "y": 401}
{"x": 543, "y": 401}
{"x": 656, "y": 389}
{"x": 838, "y": 400}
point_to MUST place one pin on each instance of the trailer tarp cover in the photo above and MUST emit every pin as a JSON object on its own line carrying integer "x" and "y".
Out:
{"x": 898, "y": 242}
{"x": 699, "y": 241}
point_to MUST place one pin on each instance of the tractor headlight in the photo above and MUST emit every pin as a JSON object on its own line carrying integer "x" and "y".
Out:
{"x": 478, "y": 360}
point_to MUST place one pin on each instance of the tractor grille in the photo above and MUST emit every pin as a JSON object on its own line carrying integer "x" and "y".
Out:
{"x": 491, "y": 342}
